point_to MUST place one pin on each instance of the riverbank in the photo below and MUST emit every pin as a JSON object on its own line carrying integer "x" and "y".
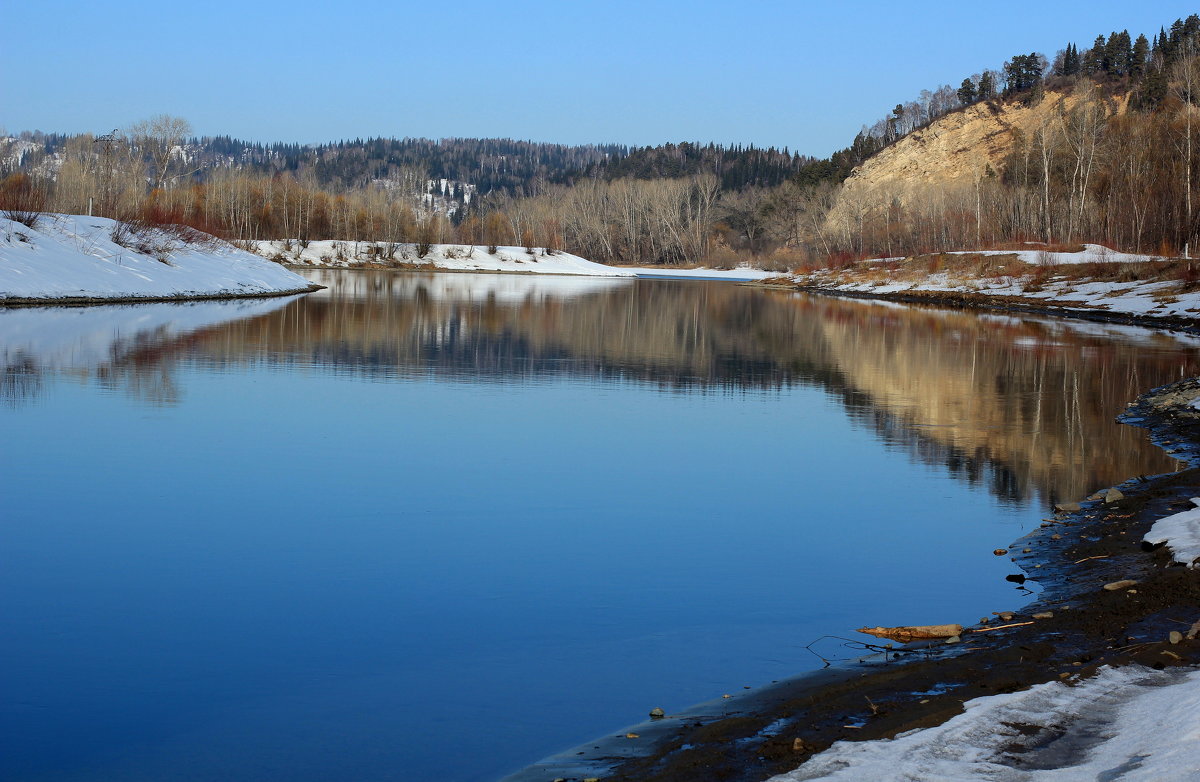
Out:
{"x": 1071, "y": 632}
{"x": 473, "y": 258}
{"x": 76, "y": 260}
{"x": 1092, "y": 284}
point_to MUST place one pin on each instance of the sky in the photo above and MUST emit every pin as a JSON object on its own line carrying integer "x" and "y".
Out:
{"x": 801, "y": 75}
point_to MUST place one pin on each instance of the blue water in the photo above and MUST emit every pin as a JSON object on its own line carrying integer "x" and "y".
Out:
{"x": 384, "y": 537}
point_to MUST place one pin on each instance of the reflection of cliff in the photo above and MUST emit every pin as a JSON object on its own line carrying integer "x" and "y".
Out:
{"x": 1025, "y": 407}
{"x": 1023, "y": 404}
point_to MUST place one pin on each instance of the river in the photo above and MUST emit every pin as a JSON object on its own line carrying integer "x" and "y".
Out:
{"x": 418, "y": 526}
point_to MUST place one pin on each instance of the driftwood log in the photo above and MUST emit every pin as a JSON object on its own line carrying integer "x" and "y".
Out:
{"x": 914, "y": 633}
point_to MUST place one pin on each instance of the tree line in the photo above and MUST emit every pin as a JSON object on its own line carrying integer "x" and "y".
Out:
{"x": 1114, "y": 161}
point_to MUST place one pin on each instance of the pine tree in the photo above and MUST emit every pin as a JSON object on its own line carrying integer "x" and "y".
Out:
{"x": 1139, "y": 57}
{"x": 967, "y": 93}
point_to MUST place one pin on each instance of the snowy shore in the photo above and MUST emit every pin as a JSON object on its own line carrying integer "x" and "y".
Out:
{"x": 1064, "y": 283}
{"x": 1130, "y": 723}
{"x": 81, "y": 259}
{"x": 467, "y": 258}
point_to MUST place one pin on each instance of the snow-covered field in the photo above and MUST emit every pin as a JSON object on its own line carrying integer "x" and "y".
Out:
{"x": 1131, "y": 724}
{"x": 459, "y": 257}
{"x": 75, "y": 256}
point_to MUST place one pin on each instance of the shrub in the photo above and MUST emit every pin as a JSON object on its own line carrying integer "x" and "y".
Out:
{"x": 22, "y": 200}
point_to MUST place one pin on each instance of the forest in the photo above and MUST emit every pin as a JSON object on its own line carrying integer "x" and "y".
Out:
{"x": 1112, "y": 159}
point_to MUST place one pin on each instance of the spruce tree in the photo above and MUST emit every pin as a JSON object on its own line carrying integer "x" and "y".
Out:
{"x": 1139, "y": 57}
{"x": 967, "y": 92}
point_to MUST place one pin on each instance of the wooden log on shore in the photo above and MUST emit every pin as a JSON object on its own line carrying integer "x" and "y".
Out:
{"x": 913, "y": 633}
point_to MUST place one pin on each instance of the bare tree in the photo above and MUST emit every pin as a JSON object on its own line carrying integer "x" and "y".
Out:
{"x": 159, "y": 139}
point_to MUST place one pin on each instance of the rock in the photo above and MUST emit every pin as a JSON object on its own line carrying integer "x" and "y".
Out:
{"x": 631, "y": 736}
{"x": 726, "y": 696}
{"x": 1191, "y": 636}
{"x": 1113, "y": 495}
{"x": 954, "y": 639}
{"x": 1044, "y": 615}
{"x": 657, "y": 714}
{"x": 1175, "y": 637}
{"x": 1000, "y": 552}
{"x": 1006, "y": 616}
{"x": 984, "y": 620}
{"x": 1026, "y": 550}
{"x": 1122, "y": 584}
{"x": 1097, "y": 496}
{"x": 1068, "y": 507}
{"x": 1056, "y": 536}
{"x": 800, "y": 745}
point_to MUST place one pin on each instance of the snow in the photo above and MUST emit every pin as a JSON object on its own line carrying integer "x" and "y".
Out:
{"x": 1128, "y": 298}
{"x": 453, "y": 257}
{"x": 1180, "y": 532}
{"x": 1091, "y": 253}
{"x": 459, "y": 257}
{"x": 67, "y": 256}
{"x": 1132, "y": 724}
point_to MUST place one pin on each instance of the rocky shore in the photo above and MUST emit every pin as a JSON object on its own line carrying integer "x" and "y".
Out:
{"x": 1108, "y": 599}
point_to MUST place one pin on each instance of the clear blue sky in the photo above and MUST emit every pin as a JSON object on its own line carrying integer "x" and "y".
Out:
{"x": 806, "y": 75}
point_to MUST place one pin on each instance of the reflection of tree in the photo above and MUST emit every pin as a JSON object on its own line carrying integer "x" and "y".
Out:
{"x": 20, "y": 379}
{"x": 1022, "y": 407}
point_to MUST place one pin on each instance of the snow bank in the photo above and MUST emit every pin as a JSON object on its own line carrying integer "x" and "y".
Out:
{"x": 1132, "y": 724}
{"x": 1091, "y": 253}
{"x": 453, "y": 257}
{"x": 74, "y": 256}
{"x": 1180, "y": 532}
{"x": 460, "y": 257}
{"x": 1154, "y": 299}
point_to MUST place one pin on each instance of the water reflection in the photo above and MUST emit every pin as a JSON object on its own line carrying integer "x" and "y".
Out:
{"x": 132, "y": 348}
{"x": 1024, "y": 406}
{"x": 350, "y": 533}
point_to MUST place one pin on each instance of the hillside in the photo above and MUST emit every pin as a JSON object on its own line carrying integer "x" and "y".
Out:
{"x": 953, "y": 152}
{"x": 76, "y": 258}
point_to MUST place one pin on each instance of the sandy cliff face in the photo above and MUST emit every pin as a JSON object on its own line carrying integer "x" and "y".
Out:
{"x": 950, "y": 153}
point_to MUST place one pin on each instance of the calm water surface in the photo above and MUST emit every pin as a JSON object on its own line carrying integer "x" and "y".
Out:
{"x": 435, "y": 527}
